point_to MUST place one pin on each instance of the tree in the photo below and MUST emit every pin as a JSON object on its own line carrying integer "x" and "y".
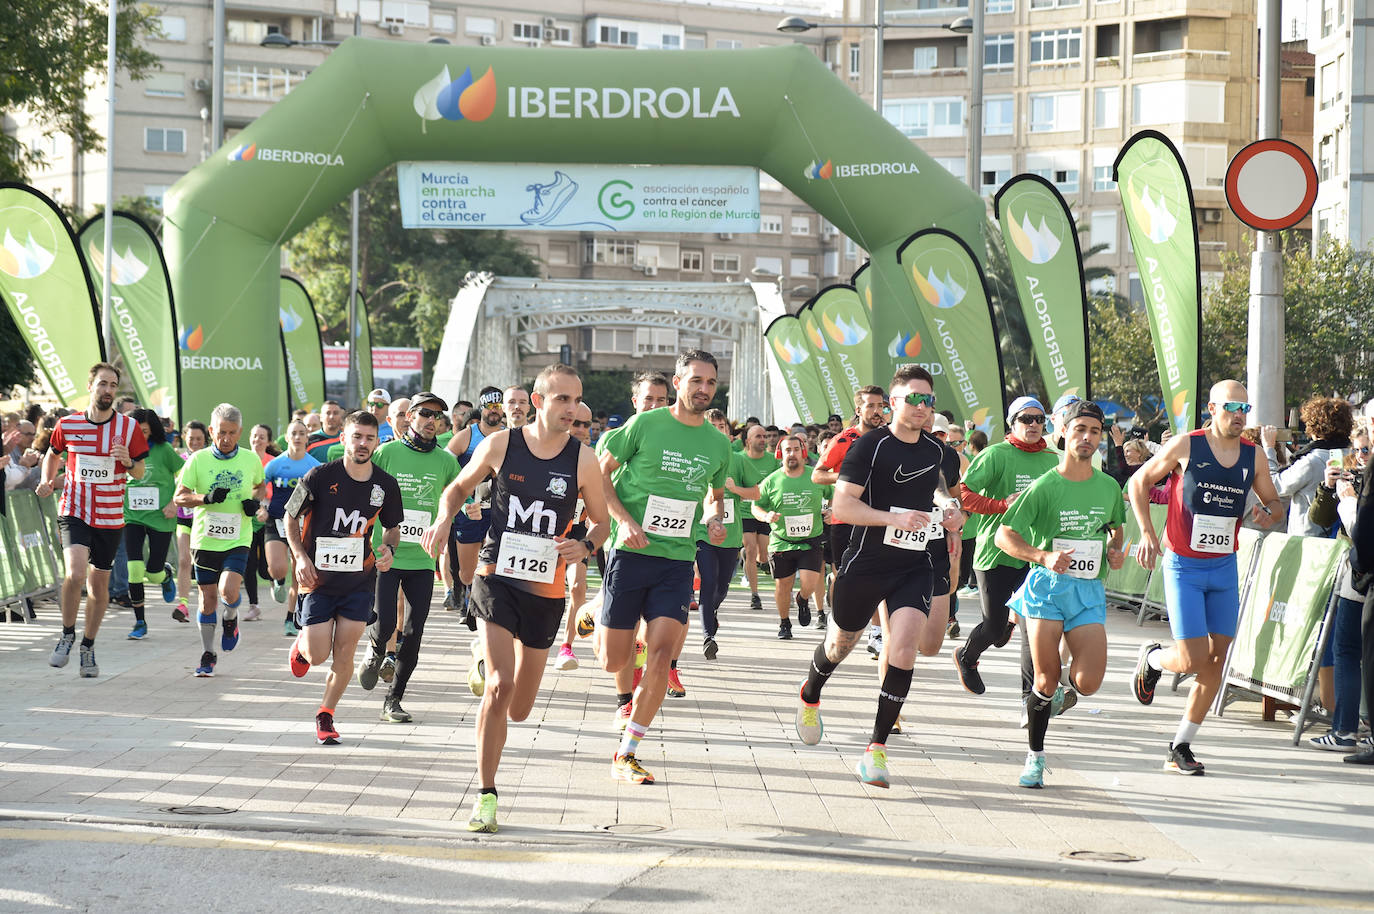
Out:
{"x": 16, "y": 364}
{"x": 50, "y": 55}
{"x": 1328, "y": 303}
{"x": 406, "y": 276}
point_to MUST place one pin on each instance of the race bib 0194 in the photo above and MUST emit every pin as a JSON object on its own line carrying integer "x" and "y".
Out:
{"x": 797, "y": 526}
{"x": 671, "y": 517}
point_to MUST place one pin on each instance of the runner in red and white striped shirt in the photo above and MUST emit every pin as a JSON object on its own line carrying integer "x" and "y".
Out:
{"x": 103, "y": 450}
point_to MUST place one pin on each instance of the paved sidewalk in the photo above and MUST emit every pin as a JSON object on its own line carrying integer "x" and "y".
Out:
{"x": 146, "y": 735}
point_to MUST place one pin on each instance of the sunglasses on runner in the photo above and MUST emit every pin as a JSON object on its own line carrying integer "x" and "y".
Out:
{"x": 579, "y": 424}
{"x": 424, "y": 412}
{"x": 377, "y": 403}
{"x": 920, "y": 400}
{"x": 1237, "y": 406}
{"x": 1031, "y": 419}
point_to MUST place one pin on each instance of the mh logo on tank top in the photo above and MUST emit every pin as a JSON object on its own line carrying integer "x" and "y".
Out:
{"x": 535, "y": 515}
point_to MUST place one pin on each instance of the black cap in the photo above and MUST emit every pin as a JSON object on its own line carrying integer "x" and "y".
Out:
{"x": 426, "y": 396}
{"x": 1081, "y": 408}
{"x": 489, "y": 396}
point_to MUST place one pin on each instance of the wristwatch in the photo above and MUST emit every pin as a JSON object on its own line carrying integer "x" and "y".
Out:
{"x": 591, "y": 547}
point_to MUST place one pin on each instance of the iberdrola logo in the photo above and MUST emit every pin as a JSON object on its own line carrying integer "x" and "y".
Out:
{"x": 905, "y": 346}
{"x": 244, "y": 153}
{"x": 940, "y": 293}
{"x": 789, "y": 352}
{"x": 1038, "y": 245}
{"x": 461, "y": 99}
{"x": 125, "y": 269}
{"x": 813, "y": 333}
{"x": 844, "y": 329}
{"x": 1151, "y": 212}
{"x": 191, "y": 339}
{"x": 1182, "y": 409}
{"x": 290, "y": 320}
{"x": 982, "y": 420}
{"x": 27, "y": 260}
{"x": 818, "y": 171}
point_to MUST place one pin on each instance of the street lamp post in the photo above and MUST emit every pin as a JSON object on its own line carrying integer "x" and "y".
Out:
{"x": 964, "y": 25}
{"x": 353, "y": 381}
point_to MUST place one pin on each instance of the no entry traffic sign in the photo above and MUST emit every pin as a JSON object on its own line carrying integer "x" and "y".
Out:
{"x": 1271, "y": 185}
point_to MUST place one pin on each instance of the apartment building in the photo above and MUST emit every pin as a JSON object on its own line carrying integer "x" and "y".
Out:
{"x": 1338, "y": 35}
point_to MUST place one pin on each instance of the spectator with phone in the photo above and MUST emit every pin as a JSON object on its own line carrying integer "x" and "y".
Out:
{"x": 1329, "y": 423}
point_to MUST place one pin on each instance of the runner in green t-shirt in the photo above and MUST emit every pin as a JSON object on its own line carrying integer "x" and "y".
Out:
{"x": 670, "y": 460}
{"x": 758, "y": 455}
{"x": 149, "y": 514}
{"x": 994, "y": 480}
{"x": 1069, "y": 523}
{"x": 716, "y": 564}
{"x": 422, "y": 470}
{"x": 222, "y": 484}
{"x": 791, "y": 503}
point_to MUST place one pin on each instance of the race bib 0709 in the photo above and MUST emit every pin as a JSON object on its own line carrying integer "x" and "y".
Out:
{"x": 671, "y": 517}
{"x": 93, "y": 469}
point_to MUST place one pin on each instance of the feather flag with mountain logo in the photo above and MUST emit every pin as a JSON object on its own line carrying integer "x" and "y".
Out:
{"x": 949, "y": 287}
{"x": 300, "y": 332}
{"x": 141, "y": 312}
{"x": 1158, "y": 200}
{"x": 1042, "y": 248}
{"x": 826, "y": 368}
{"x": 48, "y": 292}
{"x": 845, "y": 325}
{"x": 786, "y": 340}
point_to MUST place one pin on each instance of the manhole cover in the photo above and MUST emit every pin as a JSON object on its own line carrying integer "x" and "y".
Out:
{"x": 629, "y": 829}
{"x": 1102, "y": 856}
{"x": 199, "y": 810}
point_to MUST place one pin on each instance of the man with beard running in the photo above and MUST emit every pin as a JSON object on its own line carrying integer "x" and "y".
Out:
{"x": 997, "y": 476}
{"x": 540, "y": 472}
{"x": 887, "y": 491}
{"x": 657, "y": 472}
{"x": 329, "y": 522}
{"x": 1218, "y": 469}
{"x": 422, "y": 471}
{"x": 103, "y": 450}
{"x": 759, "y": 455}
{"x": 791, "y": 504}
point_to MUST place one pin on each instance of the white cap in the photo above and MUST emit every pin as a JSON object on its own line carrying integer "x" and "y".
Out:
{"x": 379, "y": 394}
{"x": 939, "y": 424}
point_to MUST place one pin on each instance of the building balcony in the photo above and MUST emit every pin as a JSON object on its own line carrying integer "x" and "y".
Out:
{"x": 1182, "y": 63}
{"x": 1154, "y": 9}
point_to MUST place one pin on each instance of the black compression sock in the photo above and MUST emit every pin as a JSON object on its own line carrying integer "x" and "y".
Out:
{"x": 87, "y": 642}
{"x": 490, "y": 790}
{"x": 1027, "y": 665}
{"x": 821, "y": 668}
{"x": 672, "y": 664}
{"x": 891, "y": 697}
{"x": 1038, "y": 713}
{"x": 69, "y": 629}
{"x": 623, "y": 698}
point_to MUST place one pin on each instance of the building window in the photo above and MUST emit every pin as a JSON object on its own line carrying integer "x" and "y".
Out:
{"x": 555, "y": 341}
{"x": 998, "y": 7}
{"x": 801, "y": 225}
{"x": 265, "y": 83}
{"x": 656, "y": 341}
{"x": 724, "y": 263}
{"x": 155, "y": 192}
{"x": 173, "y": 28}
{"x": 610, "y": 251}
{"x": 999, "y": 50}
{"x": 851, "y": 250}
{"x": 1107, "y": 107}
{"x": 855, "y": 60}
{"x": 608, "y": 339}
{"x": 166, "y": 85}
{"x": 927, "y": 58}
{"x": 694, "y": 41}
{"x": 770, "y": 224}
{"x": 1103, "y": 231}
{"x": 614, "y": 34}
{"x": 443, "y": 22}
{"x": 729, "y": 44}
{"x": 1102, "y": 178}
{"x": 767, "y": 266}
{"x": 799, "y": 266}
{"x": 1054, "y": 45}
{"x": 527, "y": 31}
{"x": 830, "y": 264}
{"x": 164, "y": 139}
{"x": 1206, "y": 164}
{"x": 999, "y": 112}
{"x": 956, "y": 166}
{"x": 996, "y": 171}
{"x": 1108, "y": 41}
{"x": 1052, "y": 4}
{"x": 926, "y": 117}
{"x": 1158, "y": 36}
{"x": 1179, "y": 101}
{"x": 691, "y": 261}
{"x": 1059, "y": 168}
{"x": 1330, "y": 85}
{"x": 1055, "y": 112}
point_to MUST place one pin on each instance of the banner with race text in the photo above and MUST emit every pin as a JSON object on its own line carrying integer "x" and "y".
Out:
{"x": 300, "y": 331}
{"x": 952, "y": 294}
{"x": 1047, "y": 263}
{"x": 1158, "y": 201}
{"x": 45, "y": 285}
{"x": 847, "y": 329}
{"x": 786, "y": 339}
{"x": 826, "y": 369}
{"x": 141, "y": 312}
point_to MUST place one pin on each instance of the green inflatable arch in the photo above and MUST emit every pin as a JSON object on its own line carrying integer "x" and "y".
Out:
{"x": 373, "y": 103}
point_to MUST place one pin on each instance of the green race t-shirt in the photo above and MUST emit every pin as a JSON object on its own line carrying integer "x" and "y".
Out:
{"x": 422, "y": 478}
{"x": 763, "y": 467}
{"x": 221, "y": 527}
{"x": 997, "y": 472}
{"x": 799, "y": 501}
{"x": 1071, "y": 513}
{"x": 145, "y": 498}
{"x": 334, "y": 452}
{"x": 441, "y": 441}
{"x": 666, "y": 469}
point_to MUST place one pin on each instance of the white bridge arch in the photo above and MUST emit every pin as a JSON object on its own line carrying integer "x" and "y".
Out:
{"x": 491, "y": 314}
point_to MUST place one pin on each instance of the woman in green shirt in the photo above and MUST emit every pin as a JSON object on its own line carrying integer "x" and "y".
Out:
{"x": 149, "y": 514}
